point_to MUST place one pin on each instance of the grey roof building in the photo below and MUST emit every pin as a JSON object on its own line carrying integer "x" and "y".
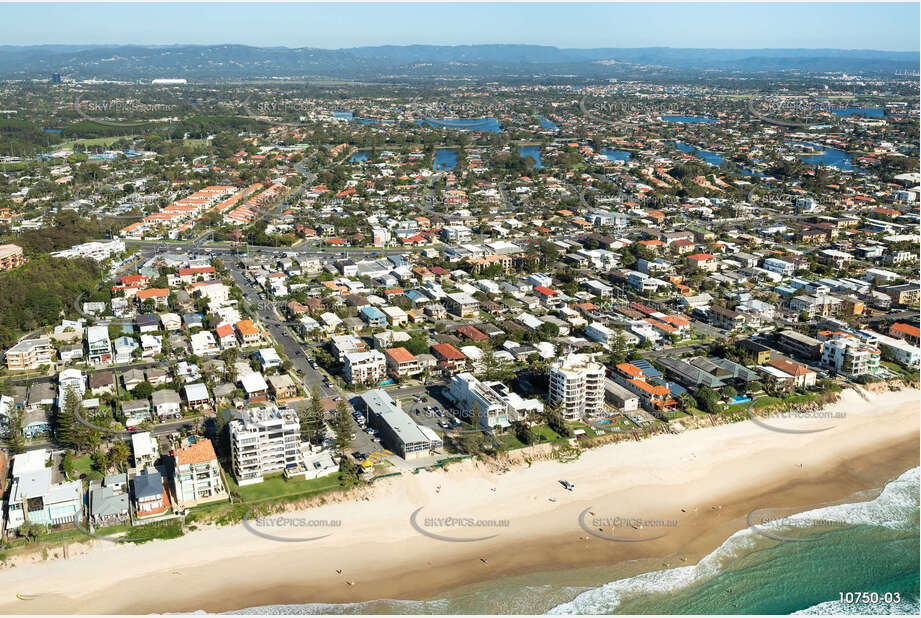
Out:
{"x": 108, "y": 501}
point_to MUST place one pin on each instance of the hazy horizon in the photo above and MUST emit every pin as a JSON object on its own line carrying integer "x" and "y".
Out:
{"x": 890, "y": 27}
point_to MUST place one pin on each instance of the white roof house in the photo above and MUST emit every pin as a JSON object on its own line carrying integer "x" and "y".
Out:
{"x": 253, "y": 383}
{"x": 143, "y": 445}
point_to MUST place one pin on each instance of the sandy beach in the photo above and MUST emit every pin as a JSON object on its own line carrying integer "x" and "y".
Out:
{"x": 706, "y": 480}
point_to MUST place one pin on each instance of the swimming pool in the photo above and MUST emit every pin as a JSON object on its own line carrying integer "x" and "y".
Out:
{"x": 739, "y": 399}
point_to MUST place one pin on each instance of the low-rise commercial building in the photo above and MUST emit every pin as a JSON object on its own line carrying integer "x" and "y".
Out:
{"x": 399, "y": 432}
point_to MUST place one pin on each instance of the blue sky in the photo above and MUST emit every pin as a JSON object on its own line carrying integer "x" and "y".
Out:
{"x": 716, "y": 25}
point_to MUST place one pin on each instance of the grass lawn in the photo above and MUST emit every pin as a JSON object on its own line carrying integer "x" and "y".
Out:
{"x": 169, "y": 529}
{"x": 508, "y": 441}
{"x": 84, "y": 465}
{"x": 278, "y": 487}
{"x": 55, "y": 536}
{"x": 95, "y": 141}
{"x": 766, "y": 400}
{"x": 548, "y": 434}
{"x": 899, "y": 370}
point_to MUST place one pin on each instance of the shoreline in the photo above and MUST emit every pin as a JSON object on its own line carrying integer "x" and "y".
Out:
{"x": 717, "y": 475}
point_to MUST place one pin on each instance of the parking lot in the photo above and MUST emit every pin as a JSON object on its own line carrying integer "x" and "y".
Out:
{"x": 433, "y": 413}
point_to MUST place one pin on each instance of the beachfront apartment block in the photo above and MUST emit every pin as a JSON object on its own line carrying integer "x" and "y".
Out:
{"x": 29, "y": 354}
{"x": 850, "y": 356}
{"x": 264, "y": 441}
{"x": 478, "y": 399}
{"x": 364, "y": 367}
{"x": 197, "y": 477}
{"x": 577, "y": 386}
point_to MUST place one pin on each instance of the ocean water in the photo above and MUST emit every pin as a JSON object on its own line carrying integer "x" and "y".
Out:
{"x": 797, "y": 565}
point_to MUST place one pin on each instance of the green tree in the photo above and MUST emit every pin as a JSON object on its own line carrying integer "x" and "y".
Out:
{"x": 69, "y": 430}
{"x": 313, "y": 427}
{"x": 118, "y": 455}
{"x": 342, "y": 428}
{"x": 13, "y": 438}
{"x": 524, "y": 433}
{"x": 143, "y": 390}
{"x": 707, "y": 400}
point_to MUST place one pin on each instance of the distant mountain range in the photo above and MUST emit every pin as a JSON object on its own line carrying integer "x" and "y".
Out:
{"x": 220, "y": 62}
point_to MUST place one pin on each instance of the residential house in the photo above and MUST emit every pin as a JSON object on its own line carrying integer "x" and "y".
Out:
{"x": 282, "y": 387}
{"x": 449, "y": 358}
{"x": 109, "y": 501}
{"x": 99, "y": 347}
{"x": 255, "y": 387}
{"x": 166, "y": 403}
{"x": 196, "y": 396}
{"x": 401, "y": 363}
{"x": 151, "y": 498}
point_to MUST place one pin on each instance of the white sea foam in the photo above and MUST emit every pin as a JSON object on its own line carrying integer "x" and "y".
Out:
{"x": 379, "y": 606}
{"x": 891, "y": 509}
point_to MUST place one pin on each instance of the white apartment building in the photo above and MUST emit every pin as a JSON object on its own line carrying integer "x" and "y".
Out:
{"x": 850, "y": 356}
{"x": 596, "y": 331}
{"x": 264, "y": 441}
{"x": 363, "y": 367}
{"x": 70, "y": 378}
{"x": 781, "y": 267}
{"x": 456, "y": 233}
{"x": 471, "y": 395}
{"x": 95, "y": 250}
{"x": 577, "y": 385}
{"x": 498, "y": 406}
{"x": 99, "y": 347}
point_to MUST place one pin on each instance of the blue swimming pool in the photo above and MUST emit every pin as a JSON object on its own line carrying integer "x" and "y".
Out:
{"x": 606, "y": 421}
{"x": 739, "y": 399}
